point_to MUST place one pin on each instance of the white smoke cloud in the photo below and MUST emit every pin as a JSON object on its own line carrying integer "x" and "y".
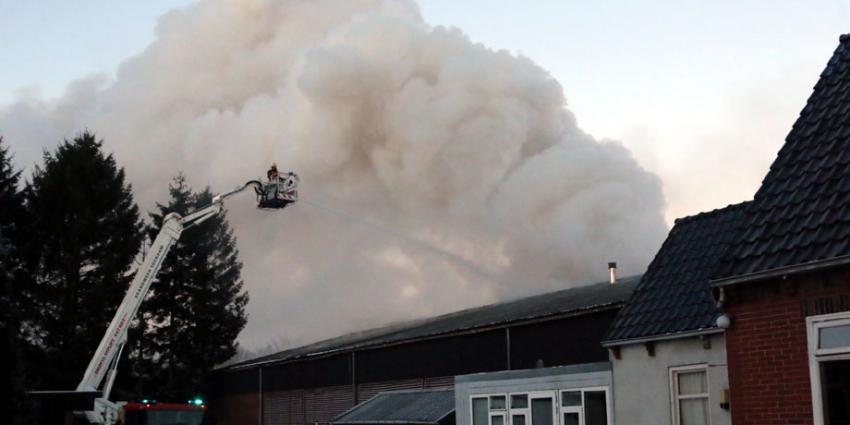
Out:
{"x": 453, "y": 173}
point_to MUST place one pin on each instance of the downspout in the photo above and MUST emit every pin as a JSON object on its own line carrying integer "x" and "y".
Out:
{"x": 508, "y": 347}
{"x": 723, "y": 321}
{"x": 260, "y": 393}
{"x": 354, "y": 378}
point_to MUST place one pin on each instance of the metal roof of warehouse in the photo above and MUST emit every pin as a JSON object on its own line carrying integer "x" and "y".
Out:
{"x": 674, "y": 295}
{"x": 553, "y": 304}
{"x": 401, "y": 407}
{"x": 800, "y": 217}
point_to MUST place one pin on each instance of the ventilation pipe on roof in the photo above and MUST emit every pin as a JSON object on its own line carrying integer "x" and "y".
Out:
{"x": 612, "y": 272}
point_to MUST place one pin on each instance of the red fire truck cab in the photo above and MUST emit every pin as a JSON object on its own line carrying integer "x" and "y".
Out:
{"x": 152, "y": 413}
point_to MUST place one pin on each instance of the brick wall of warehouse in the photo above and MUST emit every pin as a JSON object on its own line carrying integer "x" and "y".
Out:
{"x": 767, "y": 344}
{"x": 242, "y": 405}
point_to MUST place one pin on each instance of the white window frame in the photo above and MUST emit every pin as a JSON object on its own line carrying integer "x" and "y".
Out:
{"x": 817, "y": 355}
{"x": 674, "y": 390}
{"x": 571, "y": 409}
{"x": 608, "y": 412}
{"x": 557, "y": 409}
{"x": 500, "y": 412}
{"x": 490, "y": 412}
{"x": 519, "y": 411}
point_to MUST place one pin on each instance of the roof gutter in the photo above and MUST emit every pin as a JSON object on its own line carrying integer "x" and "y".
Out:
{"x": 779, "y": 272}
{"x": 666, "y": 337}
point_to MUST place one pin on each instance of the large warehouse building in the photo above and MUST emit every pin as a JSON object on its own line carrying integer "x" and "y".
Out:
{"x": 315, "y": 383}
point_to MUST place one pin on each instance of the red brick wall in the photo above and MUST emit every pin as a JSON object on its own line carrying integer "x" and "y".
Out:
{"x": 237, "y": 409}
{"x": 767, "y": 345}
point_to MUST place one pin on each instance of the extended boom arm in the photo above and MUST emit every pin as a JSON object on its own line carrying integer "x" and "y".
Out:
{"x": 105, "y": 359}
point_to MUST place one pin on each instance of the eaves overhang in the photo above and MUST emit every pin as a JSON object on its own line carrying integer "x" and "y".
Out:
{"x": 664, "y": 337}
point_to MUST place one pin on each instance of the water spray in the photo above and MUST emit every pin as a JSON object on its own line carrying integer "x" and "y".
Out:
{"x": 452, "y": 257}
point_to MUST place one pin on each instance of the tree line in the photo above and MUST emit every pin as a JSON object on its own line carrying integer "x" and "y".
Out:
{"x": 70, "y": 238}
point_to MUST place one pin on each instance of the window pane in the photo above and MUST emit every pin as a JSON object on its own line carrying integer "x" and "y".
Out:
{"x": 595, "y": 409}
{"x": 518, "y": 420}
{"x": 692, "y": 382}
{"x": 519, "y": 401}
{"x": 835, "y": 381}
{"x": 479, "y": 411}
{"x": 693, "y": 411}
{"x": 835, "y": 337}
{"x": 570, "y": 419}
{"x": 497, "y": 420}
{"x": 541, "y": 411}
{"x": 571, "y": 398}
{"x": 497, "y": 402}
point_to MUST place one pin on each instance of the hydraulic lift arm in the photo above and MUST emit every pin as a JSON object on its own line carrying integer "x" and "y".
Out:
{"x": 104, "y": 363}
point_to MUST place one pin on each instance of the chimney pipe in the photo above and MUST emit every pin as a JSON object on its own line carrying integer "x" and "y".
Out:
{"x": 612, "y": 272}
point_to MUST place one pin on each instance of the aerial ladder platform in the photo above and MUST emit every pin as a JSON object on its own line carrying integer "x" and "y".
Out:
{"x": 278, "y": 192}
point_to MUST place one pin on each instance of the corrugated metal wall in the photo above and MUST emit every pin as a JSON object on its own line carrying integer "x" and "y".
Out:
{"x": 323, "y": 404}
{"x": 320, "y": 405}
{"x": 367, "y": 391}
{"x": 484, "y": 351}
{"x": 283, "y": 407}
{"x": 315, "y": 405}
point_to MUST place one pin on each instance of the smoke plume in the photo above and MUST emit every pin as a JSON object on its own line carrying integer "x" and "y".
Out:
{"x": 440, "y": 173}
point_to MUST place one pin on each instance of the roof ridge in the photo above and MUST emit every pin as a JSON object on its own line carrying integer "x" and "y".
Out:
{"x": 449, "y": 314}
{"x": 710, "y": 213}
{"x": 805, "y": 189}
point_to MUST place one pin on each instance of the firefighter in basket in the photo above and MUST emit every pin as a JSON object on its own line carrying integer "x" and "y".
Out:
{"x": 279, "y": 191}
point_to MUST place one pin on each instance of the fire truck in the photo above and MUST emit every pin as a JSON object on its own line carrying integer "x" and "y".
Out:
{"x": 150, "y": 412}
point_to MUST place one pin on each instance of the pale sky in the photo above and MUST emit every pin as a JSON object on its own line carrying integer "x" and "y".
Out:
{"x": 702, "y": 92}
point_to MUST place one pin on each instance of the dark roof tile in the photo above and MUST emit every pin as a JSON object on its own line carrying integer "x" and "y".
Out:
{"x": 800, "y": 214}
{"x": 674, "y": 295}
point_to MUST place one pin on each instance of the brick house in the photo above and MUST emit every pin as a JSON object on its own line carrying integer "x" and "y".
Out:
{"x": 785, "y": 281}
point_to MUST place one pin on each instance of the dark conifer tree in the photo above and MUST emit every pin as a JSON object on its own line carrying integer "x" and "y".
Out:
{"x": 11, "y": 197}
{"x": 12, "y": 341}
{"x": 196, "y": 308}
{"x": 85, "y": 234}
